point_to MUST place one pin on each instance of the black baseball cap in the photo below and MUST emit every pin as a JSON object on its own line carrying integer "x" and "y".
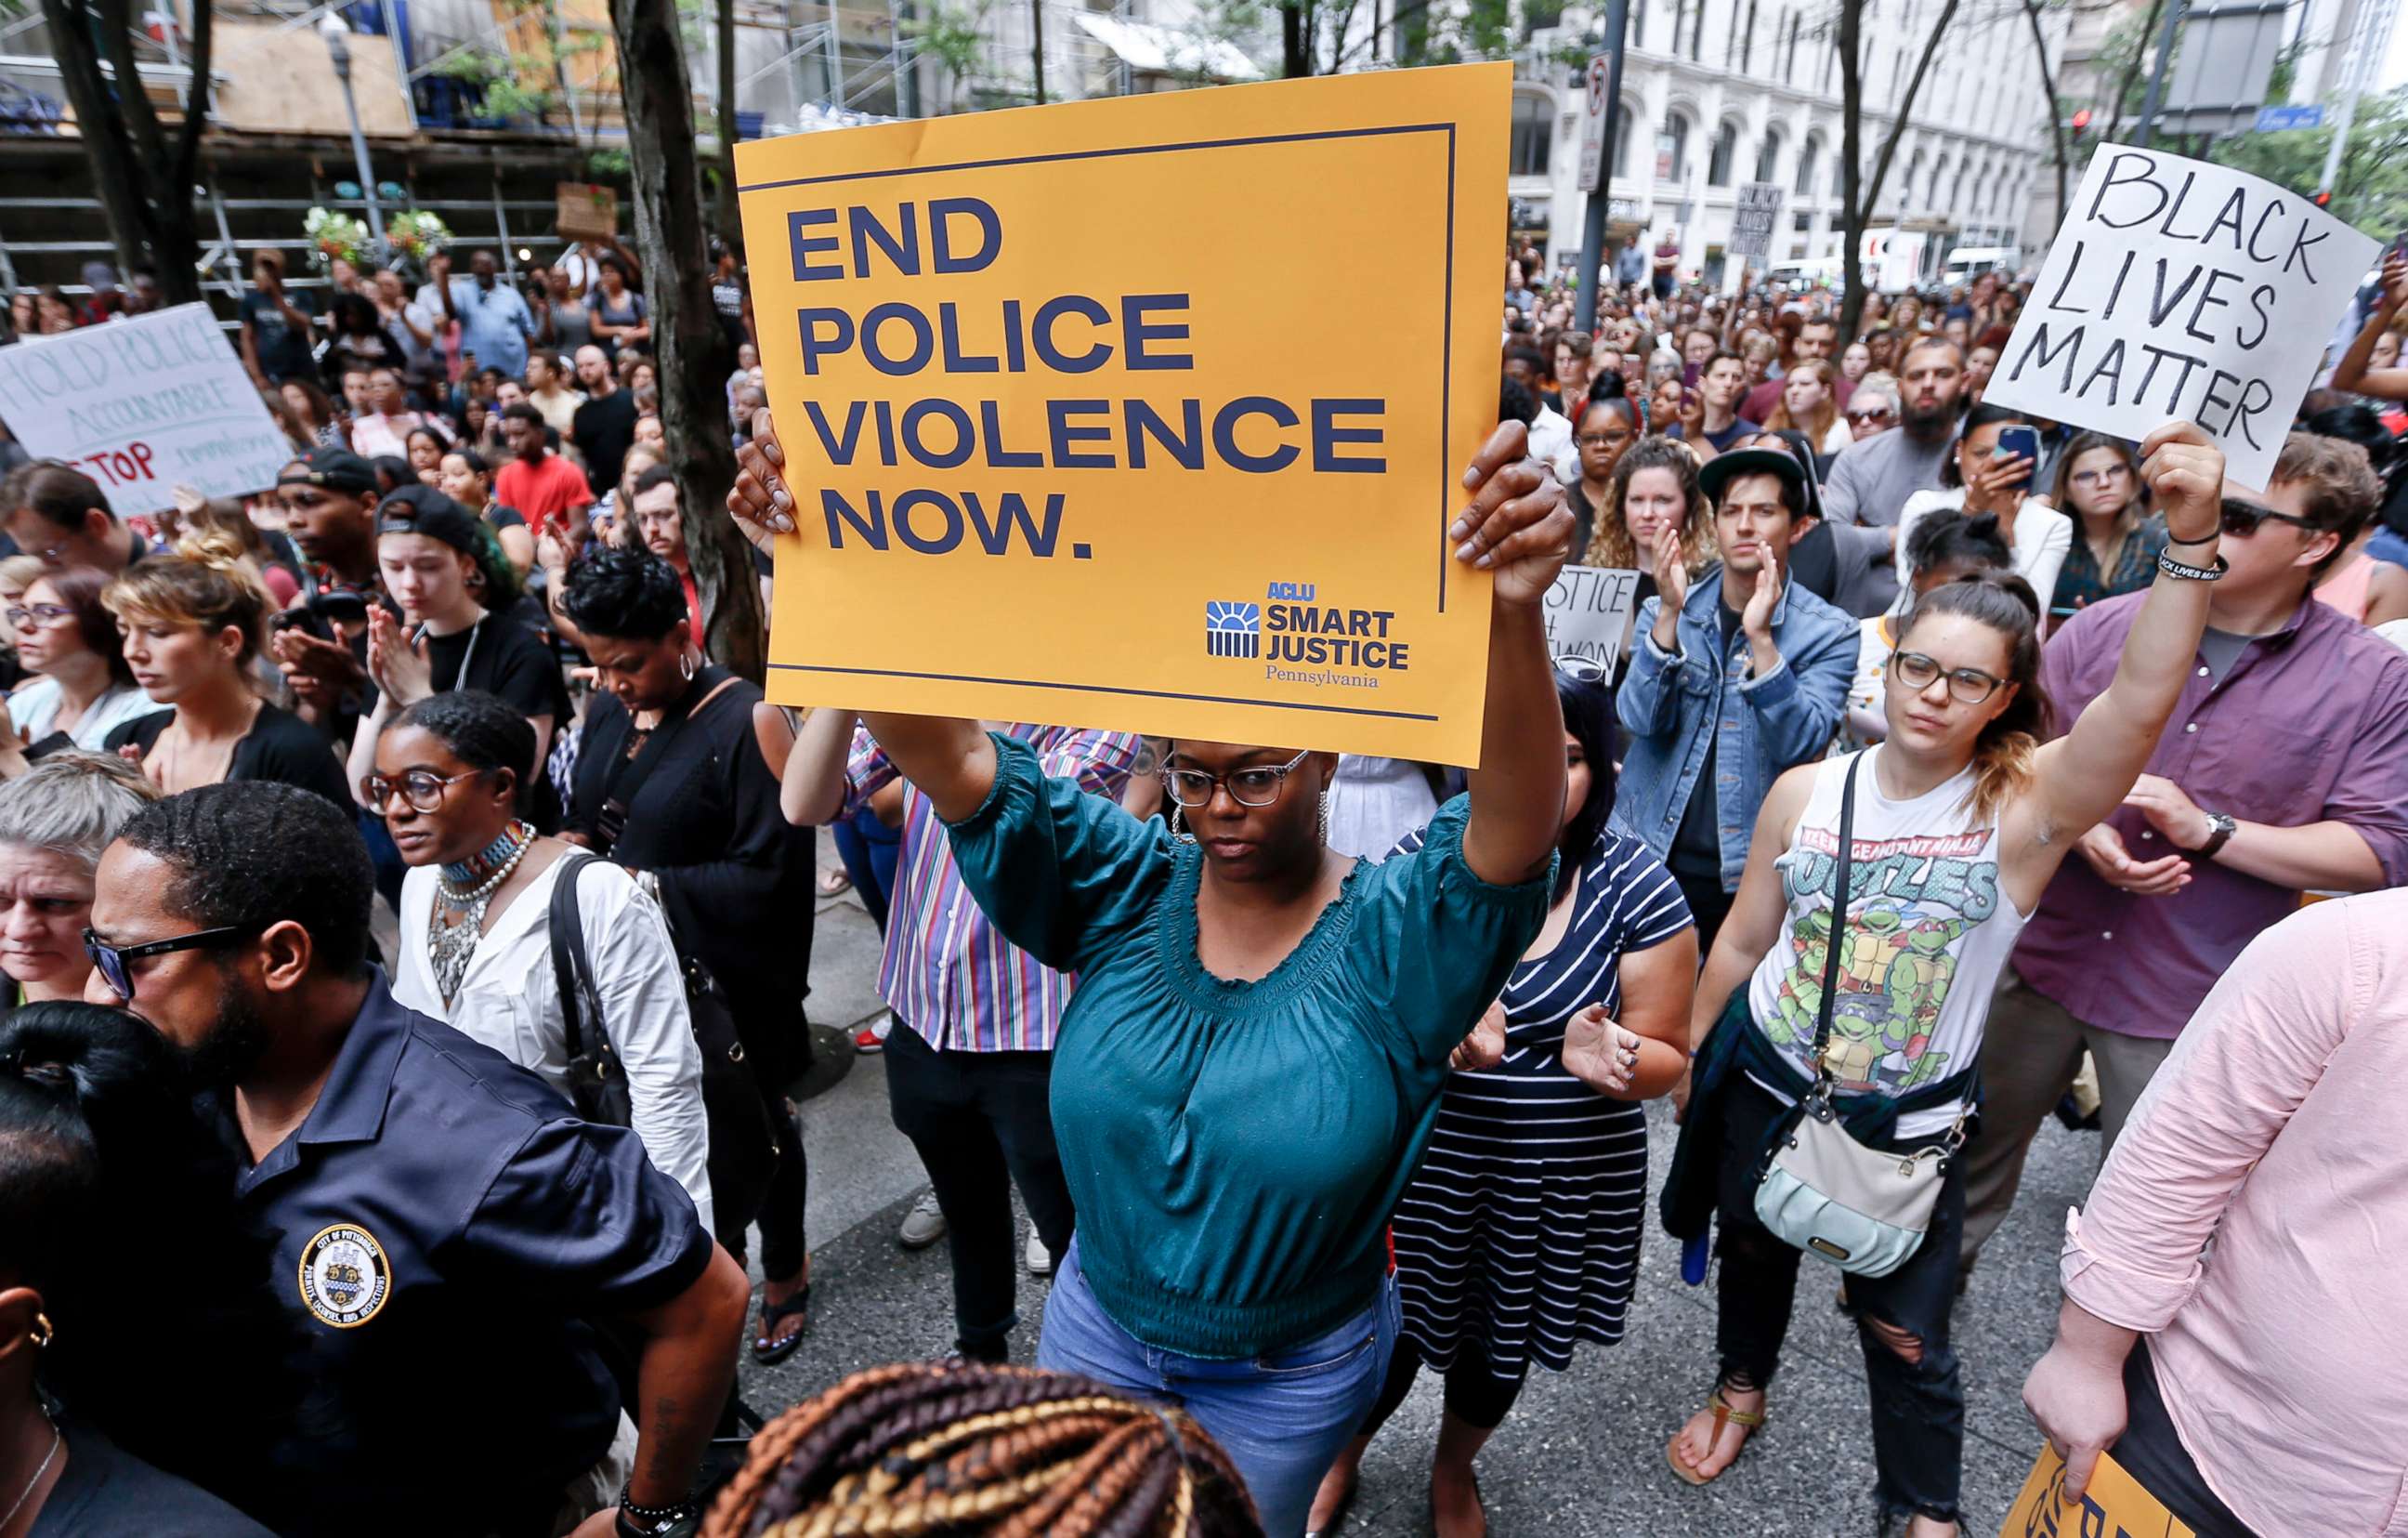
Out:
{"x": 420, "y": 509}
{"x": 1723, "y": 468}
{"x": 336, "y": 469}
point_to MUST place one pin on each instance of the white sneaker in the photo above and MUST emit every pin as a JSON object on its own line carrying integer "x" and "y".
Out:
{"x": 1041, "y": 1259}
{"x": 924, "y": 1225}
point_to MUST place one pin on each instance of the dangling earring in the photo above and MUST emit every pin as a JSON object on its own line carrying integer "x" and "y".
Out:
{"x": 1325, "y": 816}
{"x": 42, "y": 1330}
{"x": 686, "y": 666}
{"x": 1177, "y": 824}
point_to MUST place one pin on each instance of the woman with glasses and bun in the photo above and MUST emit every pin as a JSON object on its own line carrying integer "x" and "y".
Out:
{"x": 1959, "y": 818}
{"x": 1250, "y": 1068}
{"x": 1519, "y": 1235}
{"x": 476, "y": 924}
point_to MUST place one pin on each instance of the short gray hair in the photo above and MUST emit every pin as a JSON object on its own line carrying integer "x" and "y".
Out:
{"x": 73, "y": 804}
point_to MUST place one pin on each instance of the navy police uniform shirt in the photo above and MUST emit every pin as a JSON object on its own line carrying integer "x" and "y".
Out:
{"x": 442, "y": 1226}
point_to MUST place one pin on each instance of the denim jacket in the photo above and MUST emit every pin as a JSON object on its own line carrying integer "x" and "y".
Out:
{"x": 1763, "y": 726}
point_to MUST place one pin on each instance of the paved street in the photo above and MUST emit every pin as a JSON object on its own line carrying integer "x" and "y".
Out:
{"x": 1584, "y": 1452}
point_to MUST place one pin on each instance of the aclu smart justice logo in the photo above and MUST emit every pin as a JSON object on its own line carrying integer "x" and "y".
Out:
{"x": 1303, "y": 640}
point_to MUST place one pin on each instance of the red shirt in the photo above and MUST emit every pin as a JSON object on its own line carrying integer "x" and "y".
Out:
{"x": 544, "y": 492}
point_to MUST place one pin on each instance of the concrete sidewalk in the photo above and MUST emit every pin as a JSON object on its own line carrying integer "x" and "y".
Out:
{"x": 1584, "y": 1451}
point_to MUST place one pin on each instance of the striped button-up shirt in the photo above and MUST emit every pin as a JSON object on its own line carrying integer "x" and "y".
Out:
{"x": 947, "y": 973}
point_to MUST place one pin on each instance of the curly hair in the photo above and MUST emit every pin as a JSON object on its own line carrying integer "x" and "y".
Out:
{"x": 478, "y": 728}
{"x": 1610, "y": 545}
{"x": 629, "y": 595}
{"x": 247, "y": 854}
{"x": 962, "y": 1446}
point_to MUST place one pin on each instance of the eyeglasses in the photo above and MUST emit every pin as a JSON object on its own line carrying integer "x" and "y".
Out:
{"x": 2100, "y": 478}
{"x": 1603, "y": 440}
{"x": 421, "y": 789}
{"x": 1246, "y": 786}
{"x": 112, "y": 961}
{"x": 1871, "y": 413}
{"x": 2243, "y": 518}
{"x": 1968, "y": 685}
{"x": 36, "y": 615}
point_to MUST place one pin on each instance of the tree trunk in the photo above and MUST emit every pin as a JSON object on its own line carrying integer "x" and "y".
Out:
{"x": 1851, "y": 208}
{"x": 2131, "y": 76}
{"x": 693, "y": 352}
{"x": 2055, "y": 111}
{"x": 731, "y": 227}
{"x": 1295, "y": 41}
{"x": 1037, "y": 18}
{"x": 1860, "y": 207}
{"x": 144, "y": 176}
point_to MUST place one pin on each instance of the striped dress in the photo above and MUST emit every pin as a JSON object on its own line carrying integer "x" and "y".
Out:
{"x": 1520, "y": 1233}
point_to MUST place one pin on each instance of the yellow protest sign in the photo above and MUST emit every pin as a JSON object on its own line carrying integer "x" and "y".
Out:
{"x": 1145, "y": 413}
{"x": 2114, "y": 1506}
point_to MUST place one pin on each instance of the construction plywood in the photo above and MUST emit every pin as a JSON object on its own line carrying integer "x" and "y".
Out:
{"x": 279, "y": 81}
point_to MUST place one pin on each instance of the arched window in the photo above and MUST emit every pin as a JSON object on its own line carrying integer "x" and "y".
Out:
{"x": 1672, "y": 149}
{"x": 1534, "y": 134}
{"x": 1904, "y": 193}
{"x": 1956, "y": 193}
{"x": 1626, "y": 129}
{"x": 1718, "y": 163}
{"x": 1807, "y": 156}
{"x": 1768, "y": 157}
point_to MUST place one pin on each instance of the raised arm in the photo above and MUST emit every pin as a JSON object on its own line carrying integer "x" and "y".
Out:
{"x": 2084, "y": 775}
{"x": 950, "y": 759}
{"x": 1518, "y": 529}
{"x": 2352, "y": 372}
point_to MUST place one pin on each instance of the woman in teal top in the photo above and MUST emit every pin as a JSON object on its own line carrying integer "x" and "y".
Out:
{"x": 1252, "y": 1061}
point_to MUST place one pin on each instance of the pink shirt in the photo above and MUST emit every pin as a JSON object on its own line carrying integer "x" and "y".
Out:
{"x": 2274, "y": 1130}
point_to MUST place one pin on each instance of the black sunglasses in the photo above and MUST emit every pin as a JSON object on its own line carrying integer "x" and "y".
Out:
{"x": 2243, "y": 518}
{"x": 112, "y": 960}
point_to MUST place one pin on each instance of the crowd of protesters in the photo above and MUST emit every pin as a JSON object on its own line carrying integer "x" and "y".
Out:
{"x": 1933, "y": 716}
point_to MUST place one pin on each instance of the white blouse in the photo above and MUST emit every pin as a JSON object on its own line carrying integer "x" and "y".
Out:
{"x": 35, "y": 709}
{"x": 509, "y": 1001}
{"x": 2042, "y": 536}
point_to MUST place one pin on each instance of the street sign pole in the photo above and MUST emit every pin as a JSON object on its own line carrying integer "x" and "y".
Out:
{"x": 1591, "y": 258}
{"x": 2175, "y": 10}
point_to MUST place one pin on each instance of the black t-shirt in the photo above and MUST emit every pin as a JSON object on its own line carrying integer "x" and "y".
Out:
{"x": 1698, "y": 844}
{"x": 504, "y": 659}
{"x": 279, "y": 746}
{"x": 728, "y": 297}
{"x": 105, "y": 1489}
{"x": 284, "y": 350}
{"x": 604, "y": 428}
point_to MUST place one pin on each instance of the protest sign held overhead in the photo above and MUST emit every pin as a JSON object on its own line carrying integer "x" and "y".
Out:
{"x": 1588, "y": 614}
{"x": 2178, "y": 289}
{"x": 1040, "y": 377}
{"x": 142, "y": 406}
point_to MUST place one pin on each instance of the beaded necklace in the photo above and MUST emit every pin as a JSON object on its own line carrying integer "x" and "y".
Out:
{"x": 466, "y": 889}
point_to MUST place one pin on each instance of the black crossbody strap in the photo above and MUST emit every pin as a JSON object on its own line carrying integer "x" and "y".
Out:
{"x": 572, "y": 972}
{"x": 631, "y": 773}
{"x": 1839, "y": 922}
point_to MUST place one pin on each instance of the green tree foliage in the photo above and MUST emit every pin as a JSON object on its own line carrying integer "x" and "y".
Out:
{"x": 2370, "y": 191}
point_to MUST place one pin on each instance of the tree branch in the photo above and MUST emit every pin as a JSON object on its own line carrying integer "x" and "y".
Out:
{"x": 2056, "y": 114}
{"x": 185, "y": 166}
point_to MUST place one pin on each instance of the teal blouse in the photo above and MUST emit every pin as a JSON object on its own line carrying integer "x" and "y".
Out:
{"x": 1234, "y": 1149}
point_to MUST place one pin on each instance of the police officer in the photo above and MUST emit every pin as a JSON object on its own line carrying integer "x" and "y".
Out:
{"x": 442, "y": 1228}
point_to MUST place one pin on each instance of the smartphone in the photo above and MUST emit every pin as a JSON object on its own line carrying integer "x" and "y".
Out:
{"x": 2399, "y": 245}
{"x": 2020, "y": 442}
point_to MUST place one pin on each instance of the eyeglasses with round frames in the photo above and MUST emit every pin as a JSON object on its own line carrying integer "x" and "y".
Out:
{"x": 1246, "y": 786}
{"x": 1967, "y": 686}
{"x": 421, "y": 789}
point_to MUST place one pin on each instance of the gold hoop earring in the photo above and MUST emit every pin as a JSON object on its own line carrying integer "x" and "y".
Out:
{"x": 43, "y": 1330}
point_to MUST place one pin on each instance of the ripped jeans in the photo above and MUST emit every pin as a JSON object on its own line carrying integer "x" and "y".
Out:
{"x": 1919, "y": 1399}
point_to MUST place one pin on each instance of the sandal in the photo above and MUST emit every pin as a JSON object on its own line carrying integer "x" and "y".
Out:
{"x": 835, "y": 883}
{"x": 772, "y": 1315}
{"x": 1723, "y": 1414}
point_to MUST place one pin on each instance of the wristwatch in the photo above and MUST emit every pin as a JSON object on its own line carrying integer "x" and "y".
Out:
{"x": 2220, "y": 829}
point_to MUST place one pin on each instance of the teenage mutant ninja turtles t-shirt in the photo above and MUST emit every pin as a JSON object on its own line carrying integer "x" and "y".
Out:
{"x": 1928, "y": 931}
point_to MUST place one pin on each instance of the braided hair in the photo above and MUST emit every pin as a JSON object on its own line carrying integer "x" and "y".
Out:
{"x": 966, "y": 1447}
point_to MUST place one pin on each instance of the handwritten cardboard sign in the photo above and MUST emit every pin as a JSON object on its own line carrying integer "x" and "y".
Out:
{"x": 143, "y": 405}
{"x": 2114, "y": 1506}
{"x": 1040, "y": 377}
{"x": 2178, "y": 289}
{"x": 1588, "y": 614}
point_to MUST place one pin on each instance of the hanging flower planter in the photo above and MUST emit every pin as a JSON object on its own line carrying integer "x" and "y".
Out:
{"x": 336, "y": 236}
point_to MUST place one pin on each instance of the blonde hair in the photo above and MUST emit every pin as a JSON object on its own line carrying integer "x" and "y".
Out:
{"x": 1610, "y": 545}
{"x": 1818, "y": 424}
{"x": 208, "y": 582}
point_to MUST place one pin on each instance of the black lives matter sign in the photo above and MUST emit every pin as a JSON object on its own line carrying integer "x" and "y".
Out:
{"x": 2179, "y": 289}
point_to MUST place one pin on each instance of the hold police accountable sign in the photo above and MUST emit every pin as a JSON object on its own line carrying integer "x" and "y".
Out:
{"x": 1145, "y": 413}
{"x": 2178, "y": 289}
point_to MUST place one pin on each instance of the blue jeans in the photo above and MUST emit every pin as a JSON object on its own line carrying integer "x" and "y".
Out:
{"x": 1281, "y": 1417}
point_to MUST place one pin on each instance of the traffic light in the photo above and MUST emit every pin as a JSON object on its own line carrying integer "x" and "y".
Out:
{"x": 2082, "y": 121}
{"x": 2324, "y": 198}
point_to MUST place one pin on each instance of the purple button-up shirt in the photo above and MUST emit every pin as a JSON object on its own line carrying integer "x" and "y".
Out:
{"x": 2310, "y": 726}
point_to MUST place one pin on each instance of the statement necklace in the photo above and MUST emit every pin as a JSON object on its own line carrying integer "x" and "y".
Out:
{"x": 467, "y": 889}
